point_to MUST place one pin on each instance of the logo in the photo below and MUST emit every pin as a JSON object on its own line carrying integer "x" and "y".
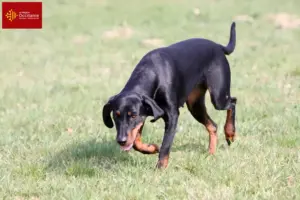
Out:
{"x": 11, "y": 15}
{"x": 21, "y": 15}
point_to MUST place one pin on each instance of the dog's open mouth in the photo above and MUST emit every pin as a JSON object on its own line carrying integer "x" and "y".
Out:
{"x": 126, "y": 147}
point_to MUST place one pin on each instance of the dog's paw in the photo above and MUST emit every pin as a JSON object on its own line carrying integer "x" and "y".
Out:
{"x": 229, "y": 140}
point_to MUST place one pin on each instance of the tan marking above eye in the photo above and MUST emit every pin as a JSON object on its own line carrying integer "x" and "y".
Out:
{"x": 118, "y": 113}
{"x": 131, "y": 114}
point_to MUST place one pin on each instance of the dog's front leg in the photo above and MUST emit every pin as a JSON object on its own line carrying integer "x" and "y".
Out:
{"x": 142, "y": 147}
{"x": 170, "y": 129}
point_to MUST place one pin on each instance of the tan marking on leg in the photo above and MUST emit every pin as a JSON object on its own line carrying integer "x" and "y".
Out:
{"x": 163, "y": 163}
{"x": 144, "y": 148}
{"x": 194, "y": 96}
{"x": 229, "y": 128}
{"x": 212, "y": 137}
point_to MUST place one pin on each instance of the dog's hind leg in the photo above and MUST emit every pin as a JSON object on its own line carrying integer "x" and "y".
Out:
{"x": 229, "y": 128}
{"x": 196, "y": 105}
{"x": 218, "y": 82}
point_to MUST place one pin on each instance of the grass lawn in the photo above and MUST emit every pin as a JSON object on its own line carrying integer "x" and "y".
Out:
{"x": 54, "y": 82}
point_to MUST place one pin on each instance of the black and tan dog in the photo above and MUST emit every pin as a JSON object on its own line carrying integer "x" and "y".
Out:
{"x": 162, "y": 82}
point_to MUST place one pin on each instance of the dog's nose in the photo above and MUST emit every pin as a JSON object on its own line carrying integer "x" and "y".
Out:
{"x": 122, "y": 141}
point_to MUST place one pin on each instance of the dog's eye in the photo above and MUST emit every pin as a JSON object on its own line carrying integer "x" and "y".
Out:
{"x": 133, "y": 116}
{"x": 117, "y": 113}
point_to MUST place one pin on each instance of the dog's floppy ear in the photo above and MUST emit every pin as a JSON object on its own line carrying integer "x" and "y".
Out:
{"x": 107, "y": 108}
{"x": 155, "y": 110}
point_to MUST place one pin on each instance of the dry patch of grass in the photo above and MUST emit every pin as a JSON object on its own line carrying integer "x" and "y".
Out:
{"x": 285, "y": 20}
{"x": 22, "y": 198}
{"x": 122, "y": 32}
{"x": 153, "y": 42}
{"x": 243, "y": 18}
{"x": 80, "y": 39}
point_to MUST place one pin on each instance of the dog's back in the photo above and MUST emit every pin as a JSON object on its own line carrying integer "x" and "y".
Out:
{"x": 198, "y": 51}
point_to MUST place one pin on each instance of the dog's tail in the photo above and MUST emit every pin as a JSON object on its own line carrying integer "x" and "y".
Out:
{"x": 231, "y": 45}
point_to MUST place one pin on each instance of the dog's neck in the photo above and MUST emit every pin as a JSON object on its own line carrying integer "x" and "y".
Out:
{"x": 137, "y": 90}
{"x": 141, "y": 89}
{"x": 142, "y": 81}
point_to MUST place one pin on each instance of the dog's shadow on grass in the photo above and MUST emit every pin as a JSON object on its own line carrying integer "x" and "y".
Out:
{"x": 83, "y": 157}
{"x": 190, "y": 147}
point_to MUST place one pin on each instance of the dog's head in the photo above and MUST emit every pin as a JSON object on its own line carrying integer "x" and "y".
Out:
{"x": 129, "y": 112}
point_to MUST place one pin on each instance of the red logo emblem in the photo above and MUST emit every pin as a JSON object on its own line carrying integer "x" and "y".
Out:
{"x": 21, "y": 15}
